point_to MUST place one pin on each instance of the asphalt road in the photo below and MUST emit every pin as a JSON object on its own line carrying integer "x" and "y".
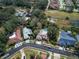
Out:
{"x": 53, "y": 50}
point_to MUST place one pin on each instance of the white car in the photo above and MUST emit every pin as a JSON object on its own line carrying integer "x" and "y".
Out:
{"x": 18, "y": 44}
{"x": 38, "y": 42}
{"x": 27, "y": 41}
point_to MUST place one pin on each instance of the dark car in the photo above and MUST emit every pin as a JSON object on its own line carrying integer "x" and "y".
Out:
{"x": 1, "y": 52}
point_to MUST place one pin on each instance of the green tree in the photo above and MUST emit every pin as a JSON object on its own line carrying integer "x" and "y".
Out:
{"x": 2, "y": 40}
{"x": 39, "y": 14}
{"x": 5, "y": 14}
{"x": 41, "y": 4}
{"x": 11, "y": 24}
{"x": 53, "y": 32}
{"x": 9, "y": 10}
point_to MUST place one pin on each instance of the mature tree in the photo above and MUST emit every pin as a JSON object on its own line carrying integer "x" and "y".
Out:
{"x": 53, "y": 33}
{"x": 11, "y": 24}
{"x": 39, "y": 14}
{"x": 41, "y": 4}
{"x": 3, "y": 39}
{"x": 5, "y": 14}
{"x": 9, "y": 10}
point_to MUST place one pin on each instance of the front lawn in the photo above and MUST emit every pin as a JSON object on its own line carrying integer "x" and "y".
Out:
{"x": 62, "y": 14}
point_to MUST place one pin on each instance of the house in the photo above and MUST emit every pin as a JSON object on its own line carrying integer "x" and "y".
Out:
{"x": 69, "y": 5}
{"x": 15, "y": 37}
{"x": 66, "y": 39}
{"x": 54, "y": 4}
{"x": 61, "y": 4}
{"x": 77, "y": 4}
{"x": 42, "y": 34}
{"x": 75, "y": 23}
{"x": 26, "y": 33}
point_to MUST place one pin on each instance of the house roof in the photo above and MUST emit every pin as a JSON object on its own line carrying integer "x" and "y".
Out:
{"x": 26, "y": 32}
{"x": 42, "y": 34}
{"x": 54, "y": 4}
{"x": 66, "y": 39}
{"x": 15, "y": 37}
{"x": 66, "y": 35}
{"x": 69, "y": 2}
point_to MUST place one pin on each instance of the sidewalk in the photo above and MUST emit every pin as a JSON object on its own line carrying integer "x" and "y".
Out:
{"x": 23, "y": 56}
{"x": 50, "y": 55}
{"x": 56, "y": 56}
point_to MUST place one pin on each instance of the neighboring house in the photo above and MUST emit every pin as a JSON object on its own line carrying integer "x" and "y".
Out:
{"x": 75, "y": 23}
{"x": 62, "y": 4}
{"x": 69, "y": 5}
{"x": 26, "y": 33}
{"x": 66, "y": 39}
{"x": 77, "y": 4}
{"x": 42, "y": 34}
{"x": 15, "y": 37}
{"x": 22, "y": 13}
{"x": 54, "y": 4}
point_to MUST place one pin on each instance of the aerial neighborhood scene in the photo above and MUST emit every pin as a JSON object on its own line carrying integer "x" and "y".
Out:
{"x": 39, "y": 29}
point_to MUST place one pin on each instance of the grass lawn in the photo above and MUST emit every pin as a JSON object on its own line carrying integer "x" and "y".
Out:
{"x": 62, "y": 14}
{"x": 29, "y": 52}
{"x": 17, "y": 55}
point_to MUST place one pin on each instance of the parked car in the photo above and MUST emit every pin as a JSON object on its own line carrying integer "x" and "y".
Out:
{"x": 38, "y": 42}
{"x": 18, "y": 44}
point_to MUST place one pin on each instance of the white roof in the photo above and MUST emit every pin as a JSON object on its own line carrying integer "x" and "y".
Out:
{"x": 26, "y": 32}
{"x": 13, "y": 36}
{"x": 26, "y": 18}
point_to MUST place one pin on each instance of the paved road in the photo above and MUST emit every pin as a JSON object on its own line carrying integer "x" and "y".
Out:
{"x": 54, "y": 50}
